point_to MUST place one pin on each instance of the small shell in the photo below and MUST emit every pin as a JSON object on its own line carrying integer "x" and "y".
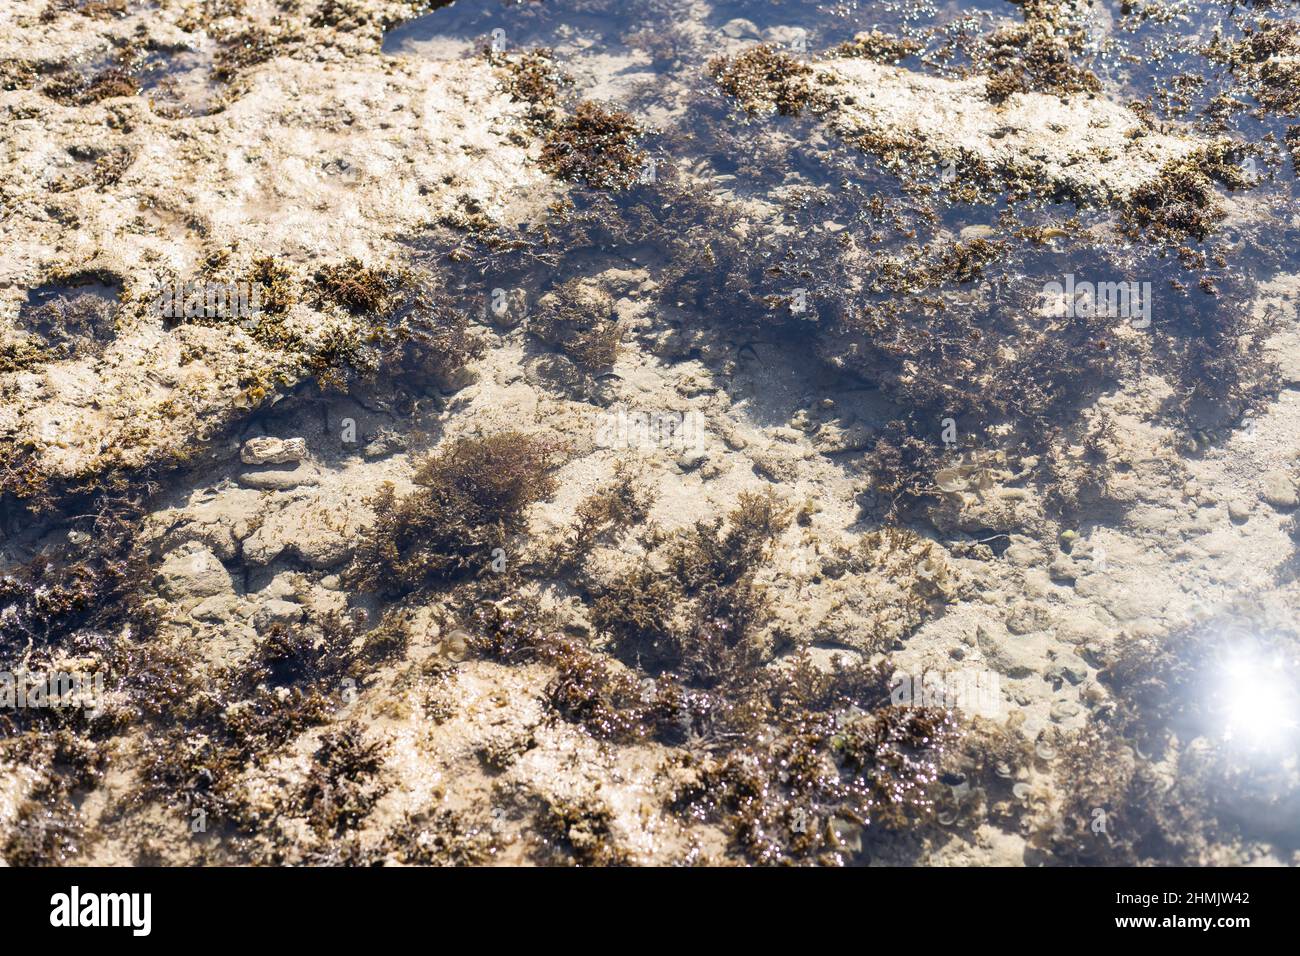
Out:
{"x": 1021, "y": 791}
{"x": 1045, "y": 750}
{"x": 950, "y": 480}
{"x": 947, "y": 818}
{"x": 455, "y": 646}
{"x": 1004, "y": 771}
{"x": 846, "y": 834}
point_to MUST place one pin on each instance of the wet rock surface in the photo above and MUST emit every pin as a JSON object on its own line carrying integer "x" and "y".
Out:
{"x": 1082, "y": 145}
{"x": 772, "y": 465}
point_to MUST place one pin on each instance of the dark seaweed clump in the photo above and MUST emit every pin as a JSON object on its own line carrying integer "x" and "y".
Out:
{"x": 699, "y": 620}
{"x": 601, "y": 517}
{"x": 765, "y": 79}
{"x": 469, "y": 499}
{"x": 1268, "y": 56}
{"x": 357, "y": 287}
{"x": 582, "y": 325}
{"x": 77, "y": 597}
{"x": 596, "y": 147}
{"x": 880, "y": 47}
{"x": 1182, "y": 200}
{"x": 532, "y": 77}
{"x": 79, "y": 89}
{"x": 341, "y": 787}
{"x": 1029, "y": 58}
{"x": 796, "y": 763}
{"x": 407, "y": 328}
{"x": 242, "y": 51}
{"x": 94, "y": 9}
{"x": 73, "y": 608}
{"x": 71, "y": 325}
{"x": 214, "y": 727}
{"x": 47, "y": 830}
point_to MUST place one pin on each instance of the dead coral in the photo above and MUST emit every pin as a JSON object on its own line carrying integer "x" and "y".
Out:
{"x": 914, "y": 579}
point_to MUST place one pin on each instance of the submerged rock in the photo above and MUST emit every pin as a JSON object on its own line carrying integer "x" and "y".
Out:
{"x": 1279, "y": 490}
{"x": 273, "y": 451}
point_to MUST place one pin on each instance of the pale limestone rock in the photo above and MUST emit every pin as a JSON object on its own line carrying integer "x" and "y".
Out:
{"x": 1087, "y": 145}
{"x": 194, "y": 574}
{"x": 273, "y": 451}
{"x": 1279, "y": 490}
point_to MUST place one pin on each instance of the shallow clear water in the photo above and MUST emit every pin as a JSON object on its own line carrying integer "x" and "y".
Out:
{"x": 656, "y": 69}
{"x": 743, "y": 215}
